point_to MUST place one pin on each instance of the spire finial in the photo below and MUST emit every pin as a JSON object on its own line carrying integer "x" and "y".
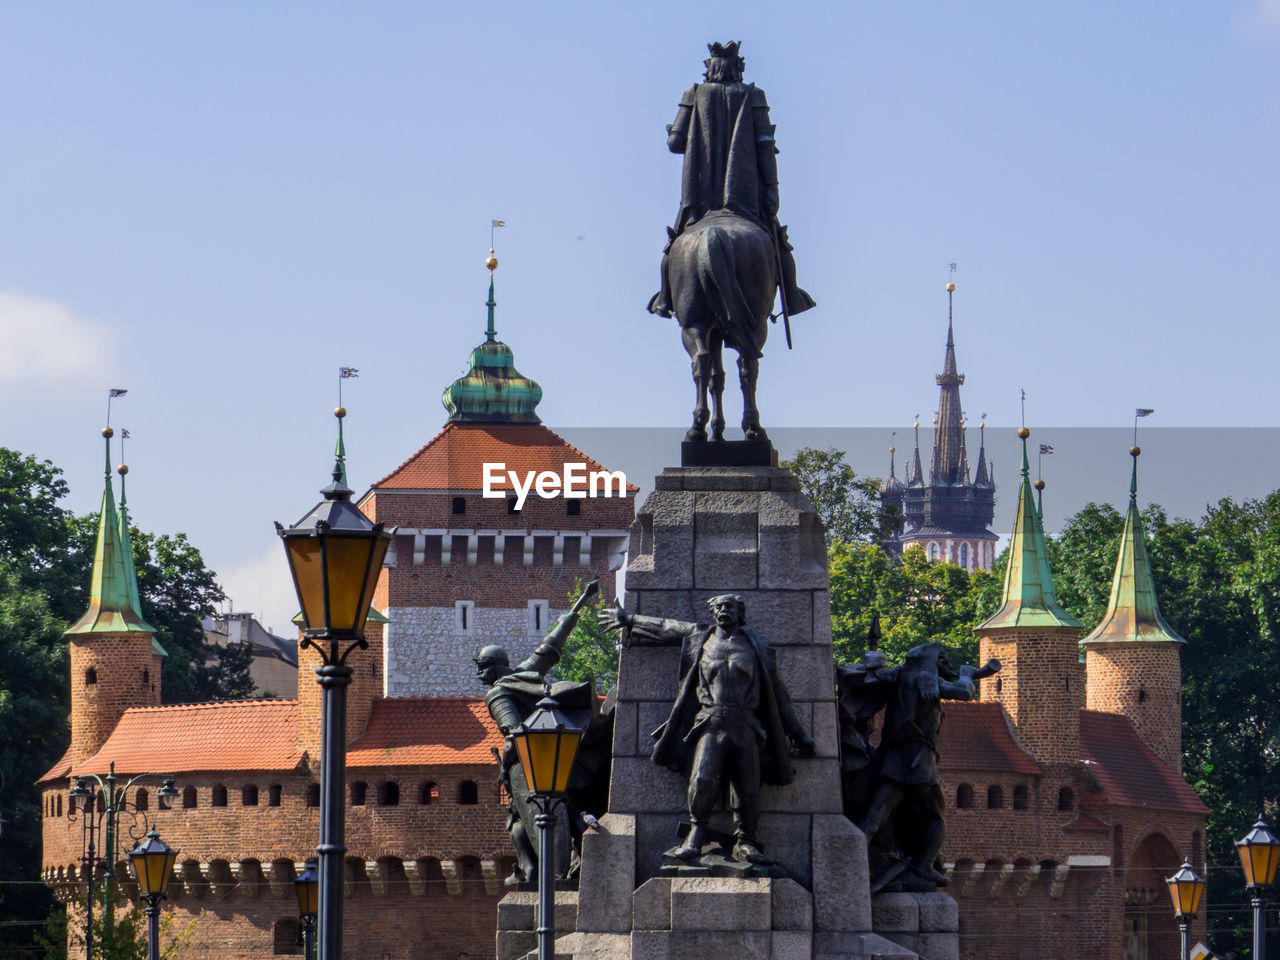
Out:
{"x": 340, "y": 451}
{"x": 951, "y": 289}
{"x": 123, "y": 470}
{"x": 492, "y": 263}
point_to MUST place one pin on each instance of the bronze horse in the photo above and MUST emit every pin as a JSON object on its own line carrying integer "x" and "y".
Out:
{"x": 723, "y": 276}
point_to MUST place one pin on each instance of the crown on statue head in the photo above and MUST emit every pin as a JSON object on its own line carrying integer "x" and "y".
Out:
{"x": 724, "y": 51}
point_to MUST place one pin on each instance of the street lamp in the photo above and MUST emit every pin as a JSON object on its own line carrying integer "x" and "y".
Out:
{"x": 547, "y": 743}
{"x": 1259, "y": 855}
{"x": 153, "y": 861}
{"x": 335, "y": 557}
{"x": 1186, "y": 887}
{"x": 307, "y": 888}
{"x": 103, "y": 800}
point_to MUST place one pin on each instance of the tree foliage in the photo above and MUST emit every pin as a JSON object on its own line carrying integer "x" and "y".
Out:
{"x": 848, "y": 505}
{"x": 591, "y": 652}
{"x": 918, "y": 600}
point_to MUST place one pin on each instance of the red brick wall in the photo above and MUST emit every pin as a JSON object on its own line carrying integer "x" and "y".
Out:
{"x": 1142, "y": 681}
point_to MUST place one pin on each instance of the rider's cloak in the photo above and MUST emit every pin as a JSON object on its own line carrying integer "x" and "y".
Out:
{"x": 727, "y": 124}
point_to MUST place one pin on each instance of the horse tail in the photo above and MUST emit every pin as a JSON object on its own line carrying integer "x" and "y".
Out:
{"x": 718, "y": 277}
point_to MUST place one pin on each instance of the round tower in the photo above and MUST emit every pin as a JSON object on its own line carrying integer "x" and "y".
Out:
{"x": 1133, "y": 657}
{"x": 1041, "y": 683}
{"x": 115, "y": 659}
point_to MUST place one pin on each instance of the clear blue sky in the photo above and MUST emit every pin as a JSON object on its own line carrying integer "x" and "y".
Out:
{"x": 215, "y": 206}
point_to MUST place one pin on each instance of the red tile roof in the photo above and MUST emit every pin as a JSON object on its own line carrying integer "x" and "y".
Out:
{"x": 453, "y": 458}
{"x": 1129, "y": 772}
{"x": 976, "y": 736}
{"x": 439, "y": 730}
{"x": 60, "y": 769}
{"x": 195, "y": 737}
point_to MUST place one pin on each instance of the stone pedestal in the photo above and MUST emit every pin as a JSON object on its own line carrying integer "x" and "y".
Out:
{"x": 702, "y": 532}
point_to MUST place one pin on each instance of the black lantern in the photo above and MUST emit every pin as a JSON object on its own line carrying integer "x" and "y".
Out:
{"x": 547, "y": 743}
{"x": 1260, "y": 855}
{"x": 335, "y": 556}
{"x": 1186, "y": 887}
{"x": 153, "y": 861}
{"x": 307, "y": 887}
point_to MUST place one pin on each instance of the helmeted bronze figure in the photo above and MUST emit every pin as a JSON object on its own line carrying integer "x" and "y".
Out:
{"x": 512, "y": 696}
{"x": 732, "y": 721}
{"x": 727, "y": 253}
{"x": 895, "y": 797}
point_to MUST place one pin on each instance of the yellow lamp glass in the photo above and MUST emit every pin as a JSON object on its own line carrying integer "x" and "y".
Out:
{"x": 308, "y": 576}
{"x": 307, "y": 888}
{"x": 1186, "y": 888}
{"x": 153, "y": 862}
{"x": 547, "y": 743}
{"x": 1259, "y": 855}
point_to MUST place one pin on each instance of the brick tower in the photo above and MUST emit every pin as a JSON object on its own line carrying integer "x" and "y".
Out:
{"x": 947, "y": 516}
{"x": 1042, "y": 684}
{"x": 470, "y": 567}
{"x": 1132, "y": 657}
{"x": 115, "y": 659}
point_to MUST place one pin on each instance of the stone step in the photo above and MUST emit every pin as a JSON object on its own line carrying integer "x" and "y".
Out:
{"x": 858, "y": 946}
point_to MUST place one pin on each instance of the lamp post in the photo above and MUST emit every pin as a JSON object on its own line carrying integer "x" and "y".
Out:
{"x": 307, "y": 888}
{"x": 335, "y": 557}
{"x": 1259, "y": 855}
{"x": 153, "y": 861}
{"x": 103, "y": 800}
{"x": 547, "y": 743}
{"x": 1186, "y": 887}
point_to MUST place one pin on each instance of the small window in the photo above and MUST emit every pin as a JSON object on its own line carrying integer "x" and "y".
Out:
{"x": 141, "y": 800}
{"x": 1020, "y": 797}
{"x": 934, "y": 552}
{"x": 464, "y": 616}
{"x": 1142, "y": 694}
{"x": 146, "y": 677}
{"x": 59, "y": 807}
{"x": 964, "y": 555}
{"x": 273, "y": 795}
{"x": 429, "y": 794}
{"x": 539, "y": 613}
{"x": 249, "y": 795}
{"x": 511, "y": 505}
{"x": 91, "y": 676}
{"x": 459, "y": 506}
{"x": 995, "y": 797}
{"x": 964, "y": 797}
{"x": 389, "y": 794}
{"x": 468, "y": 793}
{"x": 359, "y": 790}
{"x": 287, "y": 937}
{"x": 1066, "y": 800}
{"x": 1066, "y": 682}
{"x": 219, "y": 796}
{"x": 999, "y": 684}
{"x": 573, "y": 508}
{"x": 313, "y": 795}
{"x": 188, "y": 798}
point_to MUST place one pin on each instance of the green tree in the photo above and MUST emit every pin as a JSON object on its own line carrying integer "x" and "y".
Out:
{"x": 591, "y": 652}
{"x": 125, "y": 940}
{"x": 848, "y": 505}
{"x": 918, "y": 600}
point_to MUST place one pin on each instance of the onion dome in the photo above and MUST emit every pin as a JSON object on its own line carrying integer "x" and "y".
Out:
{"x": 493, "y": 390}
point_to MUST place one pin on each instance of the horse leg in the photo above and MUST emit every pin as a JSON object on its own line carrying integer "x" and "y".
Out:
{"x": 717, "y": 387}
{"x": 748, "y": 371}
{"x": 695, "y": 342}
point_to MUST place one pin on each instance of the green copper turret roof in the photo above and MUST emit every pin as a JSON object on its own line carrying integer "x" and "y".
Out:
{"x": 114, "y": 606}
{"x": 1029, "y": 599}
{"x": 1133, "y": 613}
{"x": 493, "y": 390}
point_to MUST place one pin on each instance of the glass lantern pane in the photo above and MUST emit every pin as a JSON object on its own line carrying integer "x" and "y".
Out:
{"x": 348, "y": 561}
{"x": 568, "y": 751}
{"x": 522, "y": 748}
{"x": 542, "y": 771}
{"x": 308, "y": 575}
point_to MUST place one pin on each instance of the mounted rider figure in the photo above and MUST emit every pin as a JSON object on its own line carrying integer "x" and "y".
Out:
{"x": 730, "y": 165}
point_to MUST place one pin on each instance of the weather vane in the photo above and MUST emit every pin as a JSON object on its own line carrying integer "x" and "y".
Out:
{"x": 111, "y": 395}
{"x": 1140, "y": 412}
